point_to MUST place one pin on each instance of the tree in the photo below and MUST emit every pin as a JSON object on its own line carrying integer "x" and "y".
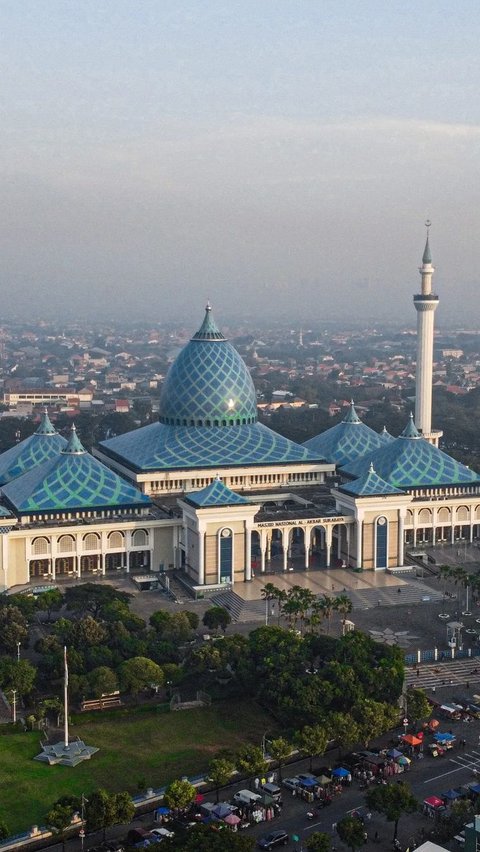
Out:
{"x": 88, "y": 631}
{"x": 371, "y": 719}
{"x": 217, "y": 617}
{"x": 343, "y": 606}
{"x": 351, "y": 831}
{"x": 13, "y": 628}
{"x": 4, "y": 830}
{"x": 179, "y": 795}
{"x": 392, "y": 800}
{"x": 102, "y": 681}
{"x": 417, "y": 705}
{"x": 312, "y": 740}
{"x": 138, "y": 673}
{"x": 17, "y": 674}
{"x": 250, "y": 760}
{"x": 319, "y": 842}
{"x": 124, "y": 808}
{"x": 59, "y": 819}
{"x": 220, "y": 770}
{"x": 344, "y": 730}
{"x": 327, "y": 606}
{"x": 203, "y": 838}
{"x": 50, "y": 601}
{"x": 280, "y": 750}
{"x": 92, "y": 597}
{"x": 193, "y": 619}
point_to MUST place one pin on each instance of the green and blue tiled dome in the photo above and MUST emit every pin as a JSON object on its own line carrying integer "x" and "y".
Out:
{"x": 370, "y": 485}
{"x": 215, "y": 494}
{"x": 346, "y": 441}
{"x": 208, "y": 384}
{"x": 72, "y": 480}
{"x": 208, "y": 416}
{"x": 44, "y": 444}
{"x": 411, "y": 462}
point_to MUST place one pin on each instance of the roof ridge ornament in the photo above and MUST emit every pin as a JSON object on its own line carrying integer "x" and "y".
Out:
{"x": 410, "y": 430}
{"x": 74, "y": 446}
{"x": 208, "y": 329}
{"x": 427, "y": 255}
{"x": 45, "y": 426}
{"x": 352, "y": 416}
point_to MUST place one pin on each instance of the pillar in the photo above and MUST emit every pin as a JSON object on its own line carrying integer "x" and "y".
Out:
{"x": 328, "y": 546}
{"x": 359, "y": 532}
{"x": 248, "y": 554}
{"x": 201, "y": 558}
{"x": 348, "y": 530}
{"x": 263, "y": 550}
{"x": 286, "y": 547}
{"x": 307, "y": 535}
{"x": 401, "y": 540}
{"x": 452, "y": 537}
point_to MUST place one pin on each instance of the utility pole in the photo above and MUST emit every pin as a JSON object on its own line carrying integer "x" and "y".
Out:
{"x": 19, "y": 644}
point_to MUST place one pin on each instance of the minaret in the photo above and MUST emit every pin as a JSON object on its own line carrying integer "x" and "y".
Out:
{"x": 425, "y": 304}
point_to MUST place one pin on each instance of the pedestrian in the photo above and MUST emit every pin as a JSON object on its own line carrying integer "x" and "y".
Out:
{"x": 467, "y": 684}
{"x": 434, "y": 689}
{"x": 334, "y": 827}
{"x": 399, "y": 590}
{"x": 257, "y": 783}
{"x": 376, "y": 838}
{"x": 418, "y": 672}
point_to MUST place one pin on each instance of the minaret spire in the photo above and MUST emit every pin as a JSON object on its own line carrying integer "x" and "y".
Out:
{"x": 426, "y": 303}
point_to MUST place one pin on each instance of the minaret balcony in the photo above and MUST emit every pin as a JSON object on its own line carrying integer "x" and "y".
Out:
{"x": 427, "y": 297}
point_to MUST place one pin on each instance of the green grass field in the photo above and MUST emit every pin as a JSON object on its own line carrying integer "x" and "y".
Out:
{"x": 135, "y": 745}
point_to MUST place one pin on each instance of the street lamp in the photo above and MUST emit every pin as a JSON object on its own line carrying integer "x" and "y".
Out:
{"x": 82, "y": 830}
{"x": 264, "y": 744}
{"x": 272, "y": 611}
{"x": 14, "y": 693}
{"x": 19, "y": 645}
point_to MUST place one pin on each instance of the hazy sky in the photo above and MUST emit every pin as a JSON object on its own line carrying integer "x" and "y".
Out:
{"x": 266, "y": 154}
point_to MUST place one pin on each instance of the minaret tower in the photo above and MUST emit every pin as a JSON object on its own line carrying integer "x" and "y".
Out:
{"x": 425, "y": 304}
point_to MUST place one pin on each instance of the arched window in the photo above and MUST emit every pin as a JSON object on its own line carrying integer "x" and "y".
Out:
{"x": 444, "y": 515}
{"x": 40, "y": 545}
{"x": 140, "y": 538}
{"x": 381, "y": 543}
{"x": 115, "y": 539}
{"x": 91, "y": 541}
{"x": 66, "y": 544}
{"x": 226, "y": 555}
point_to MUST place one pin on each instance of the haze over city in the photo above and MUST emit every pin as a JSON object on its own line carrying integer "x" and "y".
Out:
{"x": 276, "y": 157}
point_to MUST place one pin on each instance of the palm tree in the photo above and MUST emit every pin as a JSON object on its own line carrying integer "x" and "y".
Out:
{"x": 343, "y": 606}
{"x": 327, "y": 605}
{"x": 316, "y": 615}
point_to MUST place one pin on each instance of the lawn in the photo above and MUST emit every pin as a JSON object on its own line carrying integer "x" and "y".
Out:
{"x": 138, "y": 748}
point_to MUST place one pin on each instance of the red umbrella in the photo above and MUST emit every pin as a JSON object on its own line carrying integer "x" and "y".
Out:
{"x": 199, "y": 798}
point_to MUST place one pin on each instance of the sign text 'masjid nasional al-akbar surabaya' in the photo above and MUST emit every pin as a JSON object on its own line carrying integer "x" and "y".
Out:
{"x": 301, "y": 522}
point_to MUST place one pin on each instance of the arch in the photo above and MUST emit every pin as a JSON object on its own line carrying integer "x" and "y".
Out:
{"x": 40, "y": 545}
{"x": 140, "y": 538}
{"x": 116, "y": 539}
{"x": 425, "y": 516}
{"x": 409, "y": 518}
{"x": 477, "y": 512}
{"x": 462, "y": 513}
{"x": 66, "y": 544}
{"x": 444, "y": 515}
{"x": 91, "y": 541}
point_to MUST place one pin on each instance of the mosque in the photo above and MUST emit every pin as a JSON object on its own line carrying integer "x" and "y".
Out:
{"x": 213, "y": 495}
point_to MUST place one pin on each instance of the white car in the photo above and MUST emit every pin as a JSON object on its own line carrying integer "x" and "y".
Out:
{"x": 291, "y": 783}
{"x": 162, "y": 832}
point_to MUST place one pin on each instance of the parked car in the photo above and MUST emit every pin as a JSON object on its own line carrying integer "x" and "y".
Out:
{"x": 272, "y": 790}
{"x": 162, "y": 832}
{"x": 246, "y": 797}
{"x": 275, "y": 838}
{"x": 139, "y": 837}
{"x": 291, "y": 783}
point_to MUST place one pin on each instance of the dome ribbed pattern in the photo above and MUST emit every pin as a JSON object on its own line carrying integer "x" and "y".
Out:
{"x": 208, "y": 384}
{"x": 44, "y": 444}
{"x": 346, "y": 441}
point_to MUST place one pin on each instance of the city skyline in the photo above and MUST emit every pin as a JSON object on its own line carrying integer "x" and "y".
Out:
{"x": 159, "y": 154}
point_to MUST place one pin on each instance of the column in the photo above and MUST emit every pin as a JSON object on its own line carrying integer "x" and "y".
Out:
{"x": 359, "y": 532}
{"x": 328, "y": 545}
{"x": 285, "y": 543}
{"x": 5, "y": 561}
{"x": 201, "y": 558}
{"x": 307, "y": 536}
{"x": 452, "y": 537}
{"x": 401, "y": 539}
{"x": 53, "y": 554}
{"x": 349, "y": 533}
{"x": 263, "y": 550}
{"x": 103, "y": 545}
{"x": 339, "y": 540}
{"x": 248, "y": 554}
{"x": 128, "y": 545}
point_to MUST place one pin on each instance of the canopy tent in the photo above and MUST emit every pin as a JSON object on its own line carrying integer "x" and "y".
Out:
{"x": 433, "y": 724}
{"x": 222, "y": 810}
{"x": 444, "y": 738}
{"x": 340, "y": 772}
{"x": 411, "y": 739}
{"x": 309, "y": 782}
{"x": 394, "y": 753}
{"x": 474, "y": 788}
{"x": 323, "y": 780}
{"x": 452, "y": 794}
{"x": 162, "y": 811}
{"x": 433, "y": 802}
{"x": 403, "y": 761}
{"x": 232, "y": 819}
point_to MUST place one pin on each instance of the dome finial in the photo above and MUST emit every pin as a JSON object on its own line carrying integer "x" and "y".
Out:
{"x": 427, "y": 255}
{"x": 208, "y": 329}
{"x": 352, "y": 416}
{"x": 208, "y": 306}
{"x": 74, "y": 446}
{"x": 410, "y": 430}
{"x": 371, "y": 469}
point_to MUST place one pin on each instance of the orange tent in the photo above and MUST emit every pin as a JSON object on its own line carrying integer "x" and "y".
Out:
{"x": 410, "y": 739}
{"x": 433, "y": 724}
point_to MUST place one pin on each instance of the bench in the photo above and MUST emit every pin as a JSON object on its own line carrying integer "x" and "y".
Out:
{"x": 101, "y": 703}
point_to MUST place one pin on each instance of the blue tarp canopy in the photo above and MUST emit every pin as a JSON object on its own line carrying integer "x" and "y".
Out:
{"x": 222, "y": 810}
{"x": 340, "y": 772}
{"x": 451, "y": 794}
{"x": 475, "y": 788}
{"x": 309, "y": 782}
{"x": 162, "y": 811}
{"x": 394, "y": 752}
{"x": 444, "y": 738}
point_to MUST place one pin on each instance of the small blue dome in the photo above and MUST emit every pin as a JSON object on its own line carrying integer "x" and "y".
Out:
{"x": 208, "y": 384}
{"x": 346, "y": 441}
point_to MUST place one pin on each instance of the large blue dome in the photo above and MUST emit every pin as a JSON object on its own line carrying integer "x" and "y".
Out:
{"x": 208, "y": 384}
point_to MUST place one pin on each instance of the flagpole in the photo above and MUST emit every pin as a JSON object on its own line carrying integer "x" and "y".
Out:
{"x": 65, "y": 693}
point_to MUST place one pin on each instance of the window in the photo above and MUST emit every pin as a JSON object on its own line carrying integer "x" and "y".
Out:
{"x": 226, "y": 555}
{"x": 381, "y": 541}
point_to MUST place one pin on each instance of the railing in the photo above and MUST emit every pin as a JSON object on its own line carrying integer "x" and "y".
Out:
{"x": 436, "y": 655}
